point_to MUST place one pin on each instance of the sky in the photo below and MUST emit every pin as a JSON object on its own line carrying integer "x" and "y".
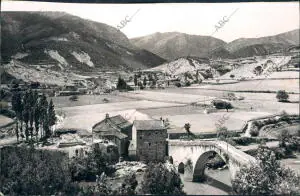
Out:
{"x": 238, "y": 20}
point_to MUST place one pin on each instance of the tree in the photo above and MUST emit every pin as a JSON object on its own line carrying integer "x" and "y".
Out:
{"x": 26, "y": 111}
{"x": 282, "y": 96}
{"x": 26, "y": 171}
{"x": 44, "y": 115}
{"x": 51, "y": 115}
{"x": 128, "y": 185}
{"x": 158, "y": 179}
{"x": 73, "y": 98}
{"x": 222, "y": 132}
{"x": 187, "y": 127}
{"x": 17, "y": 106}
{"x": 122, "y": 85}
{"x": 102, "y": 187}
{"x": 267, "y": 177}
{"x": 258, "y": 70}
{"x": 145, "y": 81}
{"x": 135, "y": 80}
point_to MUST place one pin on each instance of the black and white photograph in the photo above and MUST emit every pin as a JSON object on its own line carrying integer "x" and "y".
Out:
{"x": 149, "y": 98}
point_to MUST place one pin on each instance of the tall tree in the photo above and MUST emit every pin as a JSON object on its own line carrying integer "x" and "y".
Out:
{"x": 16, "y": 103}
{"x": 32, "y": 101}
{"x": 145, "y": 81}
{"x": 43, "y": 114}
{"x": 135, "y": 80}
{"x": 26, "y": 111}
{"x": 51, "y": 116}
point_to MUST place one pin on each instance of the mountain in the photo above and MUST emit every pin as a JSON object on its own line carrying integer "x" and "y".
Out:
{"x": 173, "y": 45}
{"x": 283, "y": 40}
{"x": 67, "y": 42}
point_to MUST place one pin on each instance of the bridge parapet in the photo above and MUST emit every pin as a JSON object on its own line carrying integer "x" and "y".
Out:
{"x": 233, "y": 153}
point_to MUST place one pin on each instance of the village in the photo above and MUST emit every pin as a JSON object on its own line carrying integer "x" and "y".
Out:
{"x": 150, "y": 104}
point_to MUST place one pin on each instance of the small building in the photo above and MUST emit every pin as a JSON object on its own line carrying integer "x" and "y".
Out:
{"x": 116, "y": 129}
{"x": 148, "y": 141}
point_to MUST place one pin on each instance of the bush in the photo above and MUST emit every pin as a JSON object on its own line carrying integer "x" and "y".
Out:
{"x": 219, "y": 104}
{"x": 188, "y": 83}
{"x": 282, "y": 96}
{"x": 266, "y": 178}
{"x": 88, "y": 167}
{"x": 158, "y": 179}
{"x": 254, "y": 132}
{"x": 73, "y": 98}
{"x": 215, "y": 162}
{"x": 34, "y": 172}
{"x": 177, "y": 84}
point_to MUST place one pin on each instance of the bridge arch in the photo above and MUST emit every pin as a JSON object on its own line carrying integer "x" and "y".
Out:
{"x": 201, "y": 163}
{"x": 193, "y": 155}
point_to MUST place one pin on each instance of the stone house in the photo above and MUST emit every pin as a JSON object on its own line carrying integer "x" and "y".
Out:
{"x": 115, "y": 129}
{"x": 148, "y": 141}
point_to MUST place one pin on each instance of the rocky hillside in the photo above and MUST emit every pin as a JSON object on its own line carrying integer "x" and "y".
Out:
{"x": 66, "y": 42}
{"x": 192, "y": 69}
{"x": 174, "y": 45}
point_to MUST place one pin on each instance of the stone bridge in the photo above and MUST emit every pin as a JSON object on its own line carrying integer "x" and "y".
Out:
{"x": 191, "y": 156}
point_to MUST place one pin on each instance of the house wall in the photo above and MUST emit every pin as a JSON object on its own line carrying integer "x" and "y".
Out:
{"x": 151, "y": 145}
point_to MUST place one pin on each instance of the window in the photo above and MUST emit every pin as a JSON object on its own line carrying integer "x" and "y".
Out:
{"x": 76, "y": 152}
{"x": 149, "y": 144}
{"x": 141, "y": 137}
{"x": 156, "y": 132}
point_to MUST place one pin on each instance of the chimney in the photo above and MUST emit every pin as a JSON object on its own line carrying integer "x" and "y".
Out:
{"x": 106, "y": 115}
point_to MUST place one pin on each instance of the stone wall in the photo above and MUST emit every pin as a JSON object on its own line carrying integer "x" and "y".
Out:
{"x": 151, "y": 145}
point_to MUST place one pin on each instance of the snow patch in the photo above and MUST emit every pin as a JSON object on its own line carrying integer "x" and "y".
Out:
{"x": 83, "y": 58}
{"x": 56, "y": 56}
{"x": 59, "y": 39}
{"x": 20, "y": 55}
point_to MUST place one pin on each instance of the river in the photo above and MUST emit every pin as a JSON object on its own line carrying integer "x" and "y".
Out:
{"x": 218, "y": 183}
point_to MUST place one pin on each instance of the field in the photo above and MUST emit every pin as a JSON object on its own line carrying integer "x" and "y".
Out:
{"x": 289, "y": 85}
{"x": 63, "y": 101}
{"x": 167, "y": 96}
{"x": 84, "y": 117}
{"x": 171, "y": 103}
{"x": 205, "y": 123}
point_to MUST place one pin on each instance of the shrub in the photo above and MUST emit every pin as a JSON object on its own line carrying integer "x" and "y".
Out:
{"x": 254, "y": 132}
{"x": 34, "y": 172}
{"x": 188, "y": 83}
{"x": 266, "y": 178}
{"x": 282, "y": 96}
{"x": 160, "y": 180}
{"x": 73, "y": 98}
{"x": 177, "y": 84}
{"x": 219, "y": 104}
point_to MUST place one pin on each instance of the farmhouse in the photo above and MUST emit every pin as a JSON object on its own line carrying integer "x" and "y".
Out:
{"x": 116, "y": 129}
{"x": 148, "y": 140}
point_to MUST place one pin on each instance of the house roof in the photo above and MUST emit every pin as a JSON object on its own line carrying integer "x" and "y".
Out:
{"x": 118, "y": 121}
{"x": 112, "y": 126}
{"x": 148, "y": 125}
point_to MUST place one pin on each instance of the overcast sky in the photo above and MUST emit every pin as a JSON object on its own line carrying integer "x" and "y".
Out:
{"x": 248, "y": 20}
